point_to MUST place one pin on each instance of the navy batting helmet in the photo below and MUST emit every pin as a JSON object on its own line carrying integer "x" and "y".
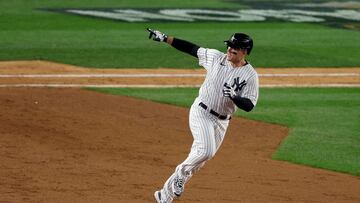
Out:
{"x": 240, "y": 41}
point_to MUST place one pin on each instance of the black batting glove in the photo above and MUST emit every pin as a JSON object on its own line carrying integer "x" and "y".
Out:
{"x": 157, "y": 35}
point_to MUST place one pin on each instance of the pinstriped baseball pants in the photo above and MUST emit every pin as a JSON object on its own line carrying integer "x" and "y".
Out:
{"x": 208, "y": 133}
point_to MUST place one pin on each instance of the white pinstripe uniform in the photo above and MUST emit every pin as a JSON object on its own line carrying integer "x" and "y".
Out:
{"x": 208, "y": 130}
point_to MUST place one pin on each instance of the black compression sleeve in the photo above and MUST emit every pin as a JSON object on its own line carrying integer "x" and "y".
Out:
{"x": 185, "y": 46}
{"x": 243, "y": 103}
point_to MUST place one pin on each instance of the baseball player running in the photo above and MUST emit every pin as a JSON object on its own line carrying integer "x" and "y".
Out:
{"x": 230, "y": 83}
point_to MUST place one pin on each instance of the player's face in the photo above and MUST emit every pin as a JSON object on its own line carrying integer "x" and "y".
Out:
{"x": 235, "y": 55}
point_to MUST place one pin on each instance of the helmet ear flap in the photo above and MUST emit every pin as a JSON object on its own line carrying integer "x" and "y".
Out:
{"x": 248, "y": 50}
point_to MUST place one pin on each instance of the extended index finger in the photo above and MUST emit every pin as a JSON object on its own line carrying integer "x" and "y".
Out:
{"x": 151, "y": 32}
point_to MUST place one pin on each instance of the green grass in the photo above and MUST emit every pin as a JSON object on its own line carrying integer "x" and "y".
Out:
{"x": 29, "y": 33}
{"x": 324, "y": 122}
{"x": 324, "y": 125}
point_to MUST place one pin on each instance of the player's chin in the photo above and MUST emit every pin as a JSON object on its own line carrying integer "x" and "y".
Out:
{"x": 228, "y": 57}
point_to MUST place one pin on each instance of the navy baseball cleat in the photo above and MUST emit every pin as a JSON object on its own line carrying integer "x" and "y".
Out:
{"x": 157, "y": 196}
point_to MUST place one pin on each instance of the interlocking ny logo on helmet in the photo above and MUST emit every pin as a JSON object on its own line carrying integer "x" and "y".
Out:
{"x": 240, "y": 40}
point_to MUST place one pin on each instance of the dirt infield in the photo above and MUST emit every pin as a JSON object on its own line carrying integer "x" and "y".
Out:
{"x": 74, "y": 145}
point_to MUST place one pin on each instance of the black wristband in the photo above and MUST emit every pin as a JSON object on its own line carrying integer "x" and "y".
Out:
{"x": 243, "y": 103}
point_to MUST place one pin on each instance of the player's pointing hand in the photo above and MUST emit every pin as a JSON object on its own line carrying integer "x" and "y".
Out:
{"x": 157, "y": 35}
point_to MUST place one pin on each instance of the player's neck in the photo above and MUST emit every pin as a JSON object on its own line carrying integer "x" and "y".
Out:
{"x": 238, "y": 63}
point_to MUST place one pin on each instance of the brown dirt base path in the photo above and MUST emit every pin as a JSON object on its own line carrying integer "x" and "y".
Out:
{"x": 74, "y": 145}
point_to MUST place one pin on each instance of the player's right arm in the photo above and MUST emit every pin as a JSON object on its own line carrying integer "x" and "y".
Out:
{"x": 184, "y": 46}
{"x": 179, "y": 44}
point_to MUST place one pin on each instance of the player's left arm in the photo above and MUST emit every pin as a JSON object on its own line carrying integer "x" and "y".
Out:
{"x": 248, "y": 98}
{"x": 179, "y": 44}
{"x": 241, "y": 102}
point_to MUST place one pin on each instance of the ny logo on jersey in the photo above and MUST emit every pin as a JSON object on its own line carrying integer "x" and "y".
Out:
{"x": 237, "y": 84}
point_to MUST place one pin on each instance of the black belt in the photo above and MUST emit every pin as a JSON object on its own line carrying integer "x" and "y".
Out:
{"x": 222, "y": 117}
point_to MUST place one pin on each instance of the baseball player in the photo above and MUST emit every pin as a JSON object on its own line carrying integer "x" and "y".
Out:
{"x": 230, "y": 83}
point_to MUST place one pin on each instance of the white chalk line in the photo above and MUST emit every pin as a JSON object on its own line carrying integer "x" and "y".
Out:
{"x": 157, "y": 75}
{"x": 166, "y": 75}
{"x": 166, "y": 86}
{"x": 98, "y": 75}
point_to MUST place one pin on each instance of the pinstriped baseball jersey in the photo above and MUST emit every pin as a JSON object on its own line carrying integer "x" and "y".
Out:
{"x": 220, "y": 72}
